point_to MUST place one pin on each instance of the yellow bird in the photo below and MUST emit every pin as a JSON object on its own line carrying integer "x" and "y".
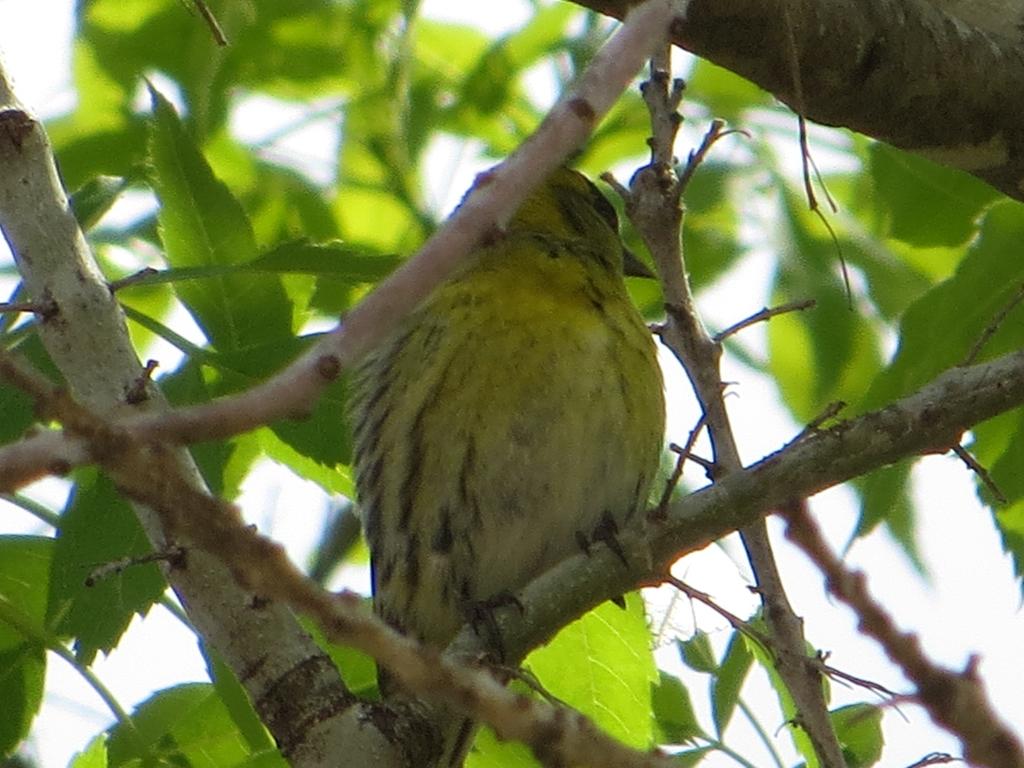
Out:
{"x": 517, "y": 409}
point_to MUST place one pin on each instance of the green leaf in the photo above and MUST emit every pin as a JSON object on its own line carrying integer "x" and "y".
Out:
{"x": 18, "y": 408}
{"x": 711, "y": 239}
{"x": 98, "y": 528}
{"x": 237, "y": 703}
{"x": 203, "y": 225}
{"x": 859, "y": 729}
{"x": 727, "y": 684}
{"x": 93, "y": 756}
{"x": 602, "y": 665}
{"x": 94, "y": 198}
{"x": 358, "y": 670}
{"x": 885, "y": 498}
{"x": 674, "y": 718}
{"x": 1010, "y": 520}
{"x": 336, "y": 270}
{"x": 495, "y": 76}
{"x": 725, "y": 94}
{"x": 941, "y": 328}
{"x": 322, "y": 436}
{"x": 102, "y": 136}
{"x": 923, "y": 203}
{"x": 24, "y": 579}
{"x": 378, "y": 219}
{"x": 223, "y": 464}
{"x": 764, "y": 659}
{"x": 304, "y": 50}
{"x": 691, "y": 757}
{"x": 332, "y": 260}
{"x": 490, "y": 752}
{"x": 698, "y": 654}
{"x": 828, "y": 353}
{"x": 332, "y": 479}
{"x": 184, "y": 725}
{"x": 999, "y": 446}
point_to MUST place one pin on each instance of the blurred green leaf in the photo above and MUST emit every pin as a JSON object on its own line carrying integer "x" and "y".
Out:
{"x": 764, "y": 659}
{"x": 885, "y": 498}
{"x": 24, "y": 578}
{"x": 490, "y": 752}
{"x": 674, "y": 719}
{"x": 93, "y": 756}
{"x": 378, "y": 219}
{"x": 934, "y": 338}
{"x": 725, "y": 95}
{"x": 698, "y": 654}
{"x": 999, "y": 446}
{"x": 224, "y": 464}
{"x": 1010, "y": 519}
{"x": 924, "y": 203}
{"x": 727, "y": 684}
{"x": 94, "y": 198}
{"x": 859, "y": 729}
{"x": 324, "y": 261}
{"x": 358, "y": 670}
{"x": 202, "y": 225}
{"x": 711, "y": 240}
{"x": 237, "y": 703}
{"x": 691, "y": 757}
{"x": 18, "y": 408}
{"x": 828, "y": 353}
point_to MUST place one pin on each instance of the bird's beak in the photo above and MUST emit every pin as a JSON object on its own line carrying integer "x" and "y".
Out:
{"x": 633, "y": 267}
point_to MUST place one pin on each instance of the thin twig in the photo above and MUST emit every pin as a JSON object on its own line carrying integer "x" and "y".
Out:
{"x": 135, "y": 278}
{"x": 44, "y": 309}
{"x": 175, "y": 556}
{"x": 211, "y": 21}
{"x": 761, "y": 316}
{"x": 654, "y": 208}
{"x": 992, "y": 327}
{"x": 697, "y": 156}
{"x": 935, "y": 758}
{"x": 684, "y": 453}
{"x": 981, "y": 472}
{"x": 829, "y": 411}
{"x": 860, "y": 682}
{"x": 740, "y": 625}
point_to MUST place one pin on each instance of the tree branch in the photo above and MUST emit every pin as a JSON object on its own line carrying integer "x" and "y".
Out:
{"x": 928, "y": 421}
{"x": 654, "y": 208}
{"x": 557, "y": 735}
{"x": 942, "y": 83}
{"x": 87, "y": 339}
{"x": 294, "y": 686}
{"x": 956, "y": 701}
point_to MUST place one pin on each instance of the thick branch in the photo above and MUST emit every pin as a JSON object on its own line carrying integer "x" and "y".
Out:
{"x": 906, "y": 72}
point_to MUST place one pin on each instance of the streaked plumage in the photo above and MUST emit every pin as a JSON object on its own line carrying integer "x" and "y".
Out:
{"x": 514, "y": 410}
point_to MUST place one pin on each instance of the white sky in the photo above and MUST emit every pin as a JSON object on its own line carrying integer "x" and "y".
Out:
{"x": 971, "y": 604}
